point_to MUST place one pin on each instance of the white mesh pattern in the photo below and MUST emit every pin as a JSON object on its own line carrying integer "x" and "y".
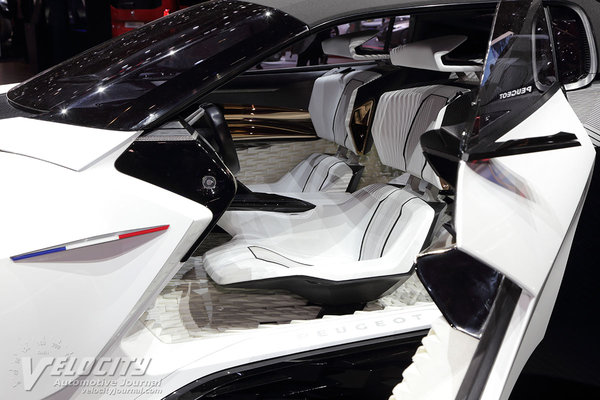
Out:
{"x": 401, "y": 118}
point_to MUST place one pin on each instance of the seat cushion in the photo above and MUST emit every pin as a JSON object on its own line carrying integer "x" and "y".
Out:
{"x": 317, "y": 173}
{"x": 377, "y": 232}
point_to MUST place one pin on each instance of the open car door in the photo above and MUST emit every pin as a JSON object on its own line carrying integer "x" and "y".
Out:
{"x": 497, "y": 277}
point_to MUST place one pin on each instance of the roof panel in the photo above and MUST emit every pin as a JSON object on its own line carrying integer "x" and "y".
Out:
{"x": 317, "y": 12}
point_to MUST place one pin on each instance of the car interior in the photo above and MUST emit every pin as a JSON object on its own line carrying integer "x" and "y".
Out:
{"x": 335, "y": 198}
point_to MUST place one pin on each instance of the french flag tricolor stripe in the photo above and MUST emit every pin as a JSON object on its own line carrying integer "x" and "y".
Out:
{"x": 91, "y": 242}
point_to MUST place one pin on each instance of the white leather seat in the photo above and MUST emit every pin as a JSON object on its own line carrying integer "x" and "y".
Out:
{"x": 355, "y": 250}
{"x": 358, "y": 249}
{"x": 328, "y": 108}
{"x": 402, "y": 116}
{"x": 376, "y": 233}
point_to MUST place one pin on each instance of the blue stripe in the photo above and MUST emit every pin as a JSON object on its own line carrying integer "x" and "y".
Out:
{"x": 38, "y": 253}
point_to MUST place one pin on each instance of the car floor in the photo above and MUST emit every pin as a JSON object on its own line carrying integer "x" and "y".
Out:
{"x": 192, "y": 306}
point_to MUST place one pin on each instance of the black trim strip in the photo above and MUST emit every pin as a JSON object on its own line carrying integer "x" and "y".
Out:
{"x": 323, "y": 157}
{"x": 483, "y": 360}
{"x": 408, "y": 134}
{"x": 561, "y": 140}
{"x": 274, "y": 252}
{"x": 329, "y": 292}
{"x": 423, "y": 169}
{"x": 328, "y": 172}
{"x": 340, "y": 102}
{"x": 394, "y": 225}
{"x": 371, "y": 220}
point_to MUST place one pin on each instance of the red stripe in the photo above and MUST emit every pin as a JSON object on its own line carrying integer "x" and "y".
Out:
{"x": 144, "y": 232}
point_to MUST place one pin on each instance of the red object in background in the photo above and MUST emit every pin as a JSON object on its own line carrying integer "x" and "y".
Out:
{"x": 129, "y": 15}
{"x": 166, "y": 12}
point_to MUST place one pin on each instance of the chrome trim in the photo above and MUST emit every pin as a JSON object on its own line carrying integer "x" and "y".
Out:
{"x": 593, "y": 54}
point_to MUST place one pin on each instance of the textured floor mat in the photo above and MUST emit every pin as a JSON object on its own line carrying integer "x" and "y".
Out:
{"x": 193, "y": 306}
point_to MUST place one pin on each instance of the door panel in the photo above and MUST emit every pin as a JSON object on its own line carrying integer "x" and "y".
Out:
{"x": 270, "y": 104}
{"x": 524, "y": 165}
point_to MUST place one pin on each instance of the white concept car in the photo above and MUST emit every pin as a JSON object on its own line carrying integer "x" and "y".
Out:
{"x": 390, "y": 213}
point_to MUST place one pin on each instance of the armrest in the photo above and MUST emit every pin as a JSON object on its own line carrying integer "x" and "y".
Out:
{"x": 268, "y": 202}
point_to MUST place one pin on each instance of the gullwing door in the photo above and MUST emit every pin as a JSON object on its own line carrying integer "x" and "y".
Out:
{"x": 523, "y": 167}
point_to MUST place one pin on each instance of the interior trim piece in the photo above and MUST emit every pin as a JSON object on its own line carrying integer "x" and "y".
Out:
{"x": 592, "y": 47}
{"x": 483, "y": 360}
{"x": 561, "y": 140}
{"x": 329, "y": 292}
{"x": 252, "y": 122}
{"x": 396, "y": 351}
{"x": 254, "y": 201}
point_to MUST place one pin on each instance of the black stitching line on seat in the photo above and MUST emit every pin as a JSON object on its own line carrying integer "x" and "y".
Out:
{"x": 423, "y": 169}
{"x": 328, "y": 171}
{"x": 394, "y": 226}
{"x": 338, "y": 107}
{"x": 371, "y": 220}
{"x": 313, "y": 170}
{"x": 412, "y": 124}
{"x": 275, "y": 262}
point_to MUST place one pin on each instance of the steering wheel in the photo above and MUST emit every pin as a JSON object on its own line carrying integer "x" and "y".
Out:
{"x": 219, "y": 136}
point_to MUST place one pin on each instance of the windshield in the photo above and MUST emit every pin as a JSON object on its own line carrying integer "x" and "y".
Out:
{"x": 519, "y": 73}
{"x": 135, "y": 80}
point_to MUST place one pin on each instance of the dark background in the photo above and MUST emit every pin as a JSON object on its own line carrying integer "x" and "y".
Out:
{"x": 36, "y": 34}
{"x": 39, "y": 34}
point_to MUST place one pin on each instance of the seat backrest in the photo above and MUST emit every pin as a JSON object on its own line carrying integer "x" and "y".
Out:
{"x": 330, "y": 101}
{"x": 401, "y": 118}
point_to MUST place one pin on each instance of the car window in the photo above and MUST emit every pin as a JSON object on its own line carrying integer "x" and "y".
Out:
{"x": 391, "y": 32}
{"x": 135, "y": 80}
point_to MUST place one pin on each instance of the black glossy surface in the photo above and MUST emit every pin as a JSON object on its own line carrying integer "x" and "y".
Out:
{"x": 442, "y": 150}
{"x": 561, "y": 140}
{"x": 519, "y": 74}
{"x": 328, "y": 292}
{"x": 268, "y": 202}
{"x": 486, "y": 352}
{"x": 572, "y": 46}
{"x": 269, "y": 88}
{"x": 145, "y": 76}
{"x": 219, "y": 136}
{"x": 362, "y": 370}
{"x": 463, "y": 288}
{"x": 182, "y": 167}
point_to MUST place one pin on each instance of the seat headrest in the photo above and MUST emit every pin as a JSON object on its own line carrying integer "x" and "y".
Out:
{"x": 427, "y": 54}
{"x": 331, "y": 98}
{"x": 346, "y": 45}
{"x": 401, "y": 118}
